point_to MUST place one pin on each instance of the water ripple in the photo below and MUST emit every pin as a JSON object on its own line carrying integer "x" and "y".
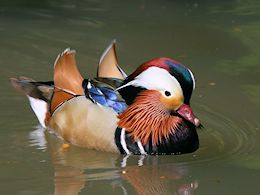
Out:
{"x": 223, "y": 138}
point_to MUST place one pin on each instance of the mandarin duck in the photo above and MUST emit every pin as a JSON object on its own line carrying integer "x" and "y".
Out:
{"x": 147, "y": 112}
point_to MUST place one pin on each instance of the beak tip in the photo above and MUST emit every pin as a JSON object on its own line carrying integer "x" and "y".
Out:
{"x": 196, "y": 122}
{"x": 186, "y": 112}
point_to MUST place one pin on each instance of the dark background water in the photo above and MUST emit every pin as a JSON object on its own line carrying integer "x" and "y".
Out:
{"x": 218, "y": 40}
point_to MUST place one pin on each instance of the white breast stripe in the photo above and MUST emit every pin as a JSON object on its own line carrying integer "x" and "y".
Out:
{"x": 141, "y": 148}
{"x": 122, "y": 141}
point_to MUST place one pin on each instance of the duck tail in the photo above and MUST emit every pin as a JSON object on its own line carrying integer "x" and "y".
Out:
{"x": 39, "y": 95}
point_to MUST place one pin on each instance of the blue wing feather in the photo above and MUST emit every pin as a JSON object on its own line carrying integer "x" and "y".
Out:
{"x": 104, "y": 94}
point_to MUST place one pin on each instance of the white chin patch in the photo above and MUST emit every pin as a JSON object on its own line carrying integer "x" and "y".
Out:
{"x": 40, "y": 109}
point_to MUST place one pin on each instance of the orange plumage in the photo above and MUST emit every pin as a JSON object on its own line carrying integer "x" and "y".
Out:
{"x": 147, "y": 117}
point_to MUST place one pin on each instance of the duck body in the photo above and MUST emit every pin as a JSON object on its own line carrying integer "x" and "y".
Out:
{"x": 80, "y": 114}
{"x": 147, "y": 112}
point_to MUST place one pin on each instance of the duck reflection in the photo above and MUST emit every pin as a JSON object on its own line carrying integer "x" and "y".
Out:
{"x": 153, "y": 179}
{"x": 74, "y": 167}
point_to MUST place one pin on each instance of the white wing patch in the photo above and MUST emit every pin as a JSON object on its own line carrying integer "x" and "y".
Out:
{"x": 40, "y": 109}
{"x": 123, "y": 142}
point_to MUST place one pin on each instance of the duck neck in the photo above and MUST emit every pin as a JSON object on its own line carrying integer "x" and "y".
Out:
{"x": 146, "y": 119}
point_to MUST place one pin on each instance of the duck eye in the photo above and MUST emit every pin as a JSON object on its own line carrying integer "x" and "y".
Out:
{"x": 167, "y": 93}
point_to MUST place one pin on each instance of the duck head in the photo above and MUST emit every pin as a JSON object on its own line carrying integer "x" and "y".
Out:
{"x": 158, "y": 94}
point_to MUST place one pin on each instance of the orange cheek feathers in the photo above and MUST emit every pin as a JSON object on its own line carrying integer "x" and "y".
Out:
{"x": 172, "y": 103}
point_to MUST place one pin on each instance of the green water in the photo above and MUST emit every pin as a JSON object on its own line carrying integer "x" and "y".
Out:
{"x": 218, "y": 40}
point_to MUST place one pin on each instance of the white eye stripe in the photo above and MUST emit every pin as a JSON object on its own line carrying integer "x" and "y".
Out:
{"x": 155, "y": 78}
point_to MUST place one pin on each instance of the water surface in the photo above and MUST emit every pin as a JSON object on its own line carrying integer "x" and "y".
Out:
{"x": 219, "y": 41}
